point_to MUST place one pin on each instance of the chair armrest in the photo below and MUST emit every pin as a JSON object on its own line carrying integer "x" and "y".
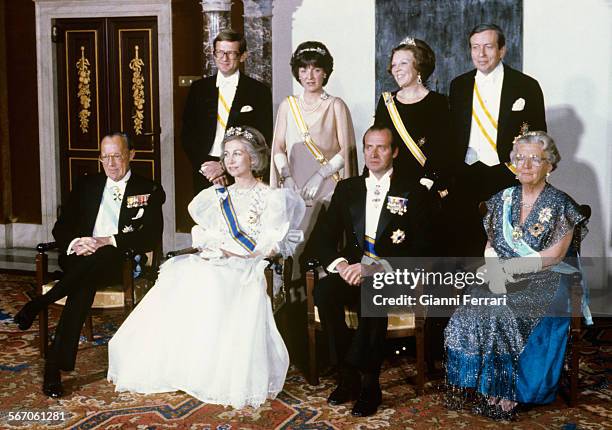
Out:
{"x": 312, "y": 264}
{"x": 46, "y": 246}
{"x": 184, "y": 251}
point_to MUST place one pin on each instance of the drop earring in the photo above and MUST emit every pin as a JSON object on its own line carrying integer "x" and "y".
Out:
{"x": 419, "y": 80}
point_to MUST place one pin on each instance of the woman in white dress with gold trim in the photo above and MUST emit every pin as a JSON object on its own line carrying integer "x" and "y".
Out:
{"x": 207, "y": 327}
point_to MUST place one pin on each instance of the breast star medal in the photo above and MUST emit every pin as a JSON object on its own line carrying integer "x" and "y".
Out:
{"x": 545, "y": 214}
{"x": 398, "y": 236}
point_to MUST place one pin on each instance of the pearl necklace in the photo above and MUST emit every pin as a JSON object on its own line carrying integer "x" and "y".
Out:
{"x": 307, "y": 108}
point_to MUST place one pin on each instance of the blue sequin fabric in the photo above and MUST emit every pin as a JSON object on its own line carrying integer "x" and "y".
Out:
{"x": 484, "y": 344}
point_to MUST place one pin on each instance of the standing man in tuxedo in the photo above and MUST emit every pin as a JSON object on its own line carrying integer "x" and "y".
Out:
{"x": 489, "y": 106}
{"x": 361, "y": 212}
{"x": 228, "y": 98}
{"x": 106, "y": 214}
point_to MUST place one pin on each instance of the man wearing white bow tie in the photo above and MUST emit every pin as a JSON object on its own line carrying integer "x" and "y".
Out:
{"x": 490, "y": 106}
{"x": 215, "y": 103}
{"x": 375, "y": 215}
{"x": 104, "y": 216}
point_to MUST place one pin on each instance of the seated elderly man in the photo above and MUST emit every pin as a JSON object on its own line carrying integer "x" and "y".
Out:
{"x": 105, "y": 215}
{"x": 361, "y": 211}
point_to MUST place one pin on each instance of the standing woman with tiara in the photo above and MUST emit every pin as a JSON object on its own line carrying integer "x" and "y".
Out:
{"x": 314, "y": 141}
{"x": 418, "y": 117}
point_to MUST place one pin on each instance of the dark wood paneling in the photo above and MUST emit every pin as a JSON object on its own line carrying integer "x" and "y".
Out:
{"x": 5, "y": 153}
{"x": 187, "y": 61}
{"x": 20, "y": 34}
{"x": 107, "y": 81}
{"x": 133, "y": 55}
{"x": 82, "y": 85}
{"x": 445, "y": 26}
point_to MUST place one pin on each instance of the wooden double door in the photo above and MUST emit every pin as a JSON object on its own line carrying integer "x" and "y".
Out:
{"x": 107, "y": 81}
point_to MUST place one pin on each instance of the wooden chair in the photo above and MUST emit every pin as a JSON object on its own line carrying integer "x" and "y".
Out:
{"x": 278, "y": 265}
{"x": 114, "y": 298}
{"x": 574, "y": 341}
{"x": 406, "y": 324}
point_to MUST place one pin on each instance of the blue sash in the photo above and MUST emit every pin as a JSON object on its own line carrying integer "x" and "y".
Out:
{"x": 369, "y": 247}
{"x": 523, "y": 249}
{"x": 232, "y": 221}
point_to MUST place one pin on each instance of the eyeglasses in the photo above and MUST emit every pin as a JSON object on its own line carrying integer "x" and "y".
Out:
{"x": 106, "y": 159}
{"x": 521, "y": 160}
{"x": 232, "y": 55}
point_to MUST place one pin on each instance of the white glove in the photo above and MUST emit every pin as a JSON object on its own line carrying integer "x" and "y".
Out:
{"x": 310, "y": 188}
{"x": 312, "y": 185}
{"x": 282, "y": 165}
{"x": 529, "y": 264}
{"x": 493, "y": 272}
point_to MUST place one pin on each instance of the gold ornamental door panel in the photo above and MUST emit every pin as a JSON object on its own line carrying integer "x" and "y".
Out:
{"x": 107, "y": 81}
{"x": 134, "y": 86}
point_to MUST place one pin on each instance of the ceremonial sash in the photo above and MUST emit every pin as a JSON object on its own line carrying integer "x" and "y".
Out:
{"x": 486, "y": 123}
{"x": 303, "y": 127}
{"x": 401, "y": 129}
{"x": 223, "y": 111}
{"x": 369, "y": 247}
{"x": 232, "y": 221}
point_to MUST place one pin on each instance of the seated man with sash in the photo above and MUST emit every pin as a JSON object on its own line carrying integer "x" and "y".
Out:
{"x": 378, "y": 215}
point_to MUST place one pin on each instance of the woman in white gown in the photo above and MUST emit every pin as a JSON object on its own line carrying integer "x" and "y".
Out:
{"x": 207, "y": 327}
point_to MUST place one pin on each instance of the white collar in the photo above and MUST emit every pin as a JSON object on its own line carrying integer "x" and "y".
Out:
{"x": 121, "y": 183}
{"x": 231, "y": 80}
{"x": 494, "y": 76}
{"x": 384, "y": 180}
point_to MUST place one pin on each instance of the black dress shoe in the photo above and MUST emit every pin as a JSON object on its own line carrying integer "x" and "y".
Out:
{"x": 52, "y": 382}
{"x": 347, "y": 389}
{"x": 26, "y": 316}
{"x": 342, "y": 394}
{"x": 368, "y": 402}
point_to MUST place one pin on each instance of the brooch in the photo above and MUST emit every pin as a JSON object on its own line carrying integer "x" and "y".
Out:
{"x": 545, "y": 214}
{"x": 517, "y": 233}
{"x": 421, "y": 142}
{"x": 398, "y": 236}
{"x": 536, "y": 229}
{"x": 253, "y": 217}
{"x": 397, "y": 205}
{"x": 137, "y": 201}
{"x": 127, "y": 229}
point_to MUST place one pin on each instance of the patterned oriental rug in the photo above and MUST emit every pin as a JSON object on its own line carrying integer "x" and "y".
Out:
{"x": 91, "y": 402}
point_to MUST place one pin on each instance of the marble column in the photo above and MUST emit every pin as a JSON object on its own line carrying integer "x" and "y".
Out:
{"x": 258, "y": 34}
{"x": 217, "y": 16}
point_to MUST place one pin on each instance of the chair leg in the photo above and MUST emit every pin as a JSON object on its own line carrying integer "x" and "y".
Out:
{"x": 313, "y": 374}
{"x": 420, "y": 356}
{"x": 89, "y": 328}
{"x": 574, "y": 338}
{"x": 42, "y": 265}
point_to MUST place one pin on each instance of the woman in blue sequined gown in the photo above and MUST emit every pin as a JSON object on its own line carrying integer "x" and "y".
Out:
{"x": 514, "y": 354}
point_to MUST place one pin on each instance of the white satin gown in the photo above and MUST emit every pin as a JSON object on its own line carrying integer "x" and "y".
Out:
{"x": 206, "y": 327}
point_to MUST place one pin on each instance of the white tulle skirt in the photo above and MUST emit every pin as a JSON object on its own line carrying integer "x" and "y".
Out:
{"x": 205, "y": 328}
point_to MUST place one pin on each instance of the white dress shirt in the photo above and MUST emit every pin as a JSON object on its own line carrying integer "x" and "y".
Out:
{"x": 227, "y": 88}
{"x": 489, "y": 87}
{"x": 376, "y": 195}
{"x": 107, "y": 220}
